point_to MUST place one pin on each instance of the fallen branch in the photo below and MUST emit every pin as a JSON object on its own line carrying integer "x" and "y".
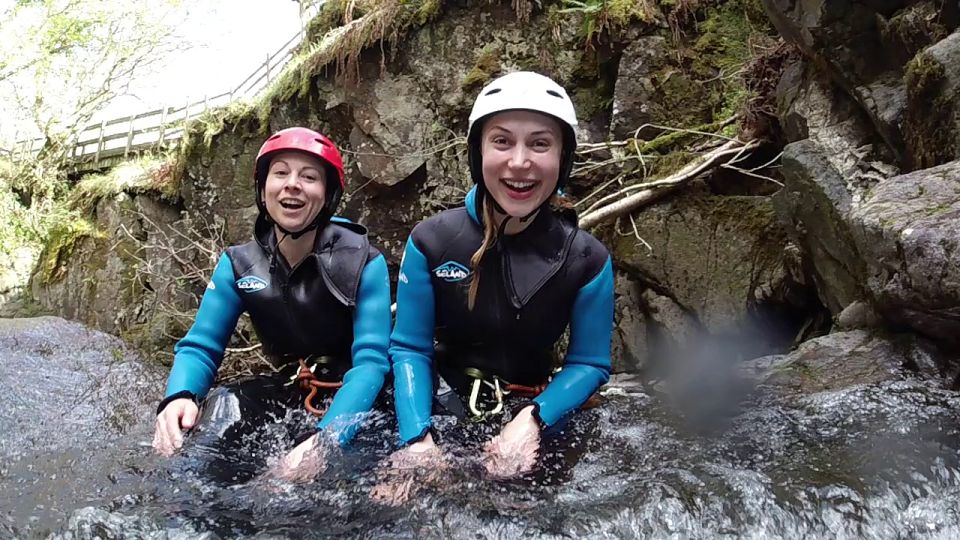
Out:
{"x": 731, "y": 150}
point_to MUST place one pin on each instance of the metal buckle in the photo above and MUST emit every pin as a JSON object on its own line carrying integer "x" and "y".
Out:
{"x": 475, "y": 394}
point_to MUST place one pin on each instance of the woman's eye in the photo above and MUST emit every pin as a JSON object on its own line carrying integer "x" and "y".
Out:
{"x": 310, "y": 177}
{"x": 499, "y": 140}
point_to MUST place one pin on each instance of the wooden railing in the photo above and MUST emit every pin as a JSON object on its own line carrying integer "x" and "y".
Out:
{"x": 100, "y": 144}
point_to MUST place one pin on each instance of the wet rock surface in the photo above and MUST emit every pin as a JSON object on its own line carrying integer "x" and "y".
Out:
{"x": 908, "y": 230}
{"x": 878, "y": 458}
{"x": 843, "y": 359}
{"x": 813, "y": 205}
{"x": 708, "y": 265}
{"x": 635, "y": 98}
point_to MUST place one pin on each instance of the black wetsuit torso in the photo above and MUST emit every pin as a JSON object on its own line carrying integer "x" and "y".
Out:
{"x": 528, "y": 284}
{"x": 305, "y": 311}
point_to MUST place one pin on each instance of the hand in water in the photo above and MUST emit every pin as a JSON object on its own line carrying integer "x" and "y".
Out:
{"x": 303, "y": 463}
{"x": 407, "y": 470}
{"x": 178, "y": 416}
{"x": 514, "y": 451}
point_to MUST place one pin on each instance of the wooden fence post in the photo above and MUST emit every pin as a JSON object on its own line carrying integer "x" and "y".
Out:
{"x": 96, "y": 156}
{"x": 126, "y": 149}
{"x": 163, "y": 125}
{"x": 266, "y": 66}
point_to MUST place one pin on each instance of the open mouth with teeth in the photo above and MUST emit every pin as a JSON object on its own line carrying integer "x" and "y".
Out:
{"x": 519, "y": 187}
{"x": 292, "y": 204}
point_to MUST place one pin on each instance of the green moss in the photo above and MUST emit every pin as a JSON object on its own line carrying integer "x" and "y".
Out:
{"x": 593, "y": 99}
{"x": 667, "y": 164}
{"x": 681, "y": 100}
{"x": 670, "y": 139}
{"x": 487, "y": 65}
{"x": 428, "y": 11}
{"x": 153, "y": 175}
{"x": 929, "y": 133}
{"x": 330, "y": 16}
{"x": 63, "y": 238}
{"x": 723, "y": 49}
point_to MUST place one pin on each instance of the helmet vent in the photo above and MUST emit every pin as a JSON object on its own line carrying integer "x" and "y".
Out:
{"x": 276, "y": 136}
{"x": 554, "y": 93}
{"x": 493, "y": 91}
{"x": 321, "y": 141}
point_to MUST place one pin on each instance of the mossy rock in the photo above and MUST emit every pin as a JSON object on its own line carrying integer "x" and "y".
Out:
{"x": 709, "y": 253}
{"x": 932, "y": 120}
{"x": 62, "y": 240}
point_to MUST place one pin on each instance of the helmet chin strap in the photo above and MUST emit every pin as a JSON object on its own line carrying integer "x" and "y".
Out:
{"x": 301, "y": 232}
{"x": 290, "y": 234}
{"x": 499, "y": 209}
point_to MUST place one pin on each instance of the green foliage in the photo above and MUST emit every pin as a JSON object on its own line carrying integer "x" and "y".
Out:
{"x": 727, "y": 42}
{"x": 17, "y": 229}
{"x": 727, "y": 31}
{"x": 598, "y": 16}
{"x": 62, "y": 61}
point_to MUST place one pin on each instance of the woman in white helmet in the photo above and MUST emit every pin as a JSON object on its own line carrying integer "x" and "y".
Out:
{"x": 496, "y": 282}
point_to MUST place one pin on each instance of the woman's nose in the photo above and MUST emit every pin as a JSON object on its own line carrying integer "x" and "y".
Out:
{"x": 293, "y": 179}
{"x": 519, "y": 157}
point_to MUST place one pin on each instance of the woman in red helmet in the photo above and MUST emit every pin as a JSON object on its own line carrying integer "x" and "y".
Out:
{"x": 315, "y": 290}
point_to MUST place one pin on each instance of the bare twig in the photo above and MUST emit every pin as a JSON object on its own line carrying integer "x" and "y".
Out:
{"x": 236, "y": 350}
{"x": 751, "y": 173}
{"x": 726, "y": 122}
{"x": 769, "y": 163}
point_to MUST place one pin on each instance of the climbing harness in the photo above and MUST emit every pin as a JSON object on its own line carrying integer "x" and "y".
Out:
{"x": 501, "y": 388}
{"x": 309, "y": 382}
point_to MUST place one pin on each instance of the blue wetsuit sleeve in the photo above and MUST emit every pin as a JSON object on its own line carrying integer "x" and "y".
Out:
{"x": 198, "y": 354}
{"x": 371, "y": 337}
{"x": 587, "y": 365}
{"x": 411, "y": 346}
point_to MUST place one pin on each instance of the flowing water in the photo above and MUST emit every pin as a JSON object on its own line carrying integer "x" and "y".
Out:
{"x": 867, "y": 461}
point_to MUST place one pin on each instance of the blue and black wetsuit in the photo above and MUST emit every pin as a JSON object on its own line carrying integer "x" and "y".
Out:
{"x": 333, "y": 306}
{"x": 532, "y": 285}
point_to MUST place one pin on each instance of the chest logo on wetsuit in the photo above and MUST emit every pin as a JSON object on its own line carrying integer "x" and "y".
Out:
{"x": 251, "y": 284}
{"x": 452, "y": 271}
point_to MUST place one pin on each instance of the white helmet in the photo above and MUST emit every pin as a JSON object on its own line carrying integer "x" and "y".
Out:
{"x": 529, "y": 91}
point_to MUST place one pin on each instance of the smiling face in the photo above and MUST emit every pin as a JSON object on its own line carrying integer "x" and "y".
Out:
{"x": 521, "y": 159}
{"x": 295, "y": 189}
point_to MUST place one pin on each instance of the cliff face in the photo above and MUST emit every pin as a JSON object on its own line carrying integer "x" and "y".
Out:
{"x": 848, "y": 95}
{"x": 872, "y": 193}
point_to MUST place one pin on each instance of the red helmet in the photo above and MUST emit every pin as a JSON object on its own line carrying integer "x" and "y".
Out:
{"x": 313, "y": 143}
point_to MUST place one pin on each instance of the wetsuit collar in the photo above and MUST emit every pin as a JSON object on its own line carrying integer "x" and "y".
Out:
{"x": 471, "y": 203}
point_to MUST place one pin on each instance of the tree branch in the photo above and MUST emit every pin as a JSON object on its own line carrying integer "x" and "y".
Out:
{"x": 731, "y": 150}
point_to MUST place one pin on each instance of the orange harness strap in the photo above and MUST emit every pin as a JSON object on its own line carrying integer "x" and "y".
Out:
{"x": 534, "y": 391}
{"x": 309, "y": 381}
